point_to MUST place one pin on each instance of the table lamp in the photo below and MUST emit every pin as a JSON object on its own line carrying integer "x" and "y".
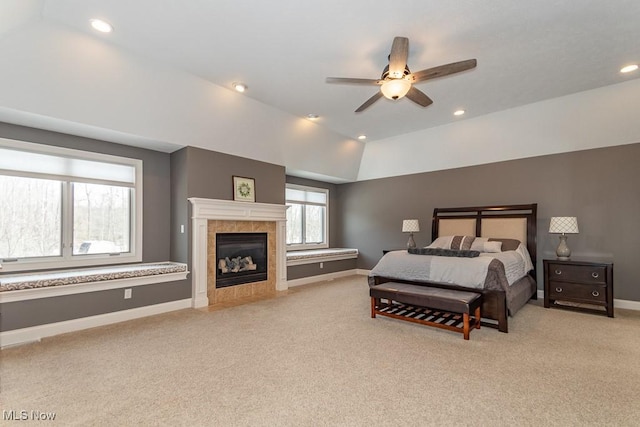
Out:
{"x": 410, "y": 226}
{"x": 563, "y": 225}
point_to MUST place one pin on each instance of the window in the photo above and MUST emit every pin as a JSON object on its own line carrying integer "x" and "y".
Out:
{"x": 67, "y": 208}
{"x": 307, "y": 223}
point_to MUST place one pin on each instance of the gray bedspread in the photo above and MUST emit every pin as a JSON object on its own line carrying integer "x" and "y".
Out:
{"x": 497, "y": 271}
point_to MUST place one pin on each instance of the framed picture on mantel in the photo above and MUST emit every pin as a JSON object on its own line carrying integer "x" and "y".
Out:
{"x": 244, "y": 189}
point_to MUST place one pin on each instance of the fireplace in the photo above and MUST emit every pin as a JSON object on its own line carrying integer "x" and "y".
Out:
{"x": 211, "y": 217}
{"x": 241, "y": 258}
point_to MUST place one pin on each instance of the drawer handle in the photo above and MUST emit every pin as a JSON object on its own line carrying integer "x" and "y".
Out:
{"x": 594, "y": 275}
{"x": 595, "y": 293}
{"x": 560, "y": 290}
{"x": 558, "y": 272}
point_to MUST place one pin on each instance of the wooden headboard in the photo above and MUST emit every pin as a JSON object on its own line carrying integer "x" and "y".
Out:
{"x": 511, "y": 222}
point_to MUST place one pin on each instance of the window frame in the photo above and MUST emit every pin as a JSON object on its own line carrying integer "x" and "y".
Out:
{"x": 309, "y": 246}
{"x": 67, "y": 259}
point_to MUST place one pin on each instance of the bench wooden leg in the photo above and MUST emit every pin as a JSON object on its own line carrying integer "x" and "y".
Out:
{"x": 478, "y": 317}
{"x": 465, "y": 327}
{"x": 373, "y": 308}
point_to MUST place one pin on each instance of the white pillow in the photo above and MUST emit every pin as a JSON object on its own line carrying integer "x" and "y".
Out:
{"x": 482, "y": 244}
{"x": 443, "y": 242}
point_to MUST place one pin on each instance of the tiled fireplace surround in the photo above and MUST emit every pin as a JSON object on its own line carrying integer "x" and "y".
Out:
{"x": 211, "y": 216}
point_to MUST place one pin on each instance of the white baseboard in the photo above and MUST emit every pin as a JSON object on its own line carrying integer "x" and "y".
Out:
{"x": 617, "y": 303}
{"x": 36, "y": 333}
{"x": 626, "y": 304}
{"x": 321, "y": 277}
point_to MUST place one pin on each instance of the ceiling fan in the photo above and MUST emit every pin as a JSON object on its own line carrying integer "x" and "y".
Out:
{"x": 397, "y": 81}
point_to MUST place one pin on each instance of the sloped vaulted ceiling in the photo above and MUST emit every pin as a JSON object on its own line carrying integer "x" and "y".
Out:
{"x": 163, "y": 78}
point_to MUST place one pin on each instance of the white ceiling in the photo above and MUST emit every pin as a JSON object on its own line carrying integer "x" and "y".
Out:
{"x": 284, "y": 49}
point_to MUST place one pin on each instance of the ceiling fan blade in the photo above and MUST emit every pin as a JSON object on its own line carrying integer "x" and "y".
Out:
{"x": 369, "y": 101}
{"x": 354, "y": 81}
{"x": 398, "y": 57}
{"x": 419, "y": 97}
{"x": 442, "y": 70}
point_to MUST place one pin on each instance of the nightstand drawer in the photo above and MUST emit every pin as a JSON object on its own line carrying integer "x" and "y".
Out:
{"x": 577, "y": 292}
{"x": 577, "y": 273}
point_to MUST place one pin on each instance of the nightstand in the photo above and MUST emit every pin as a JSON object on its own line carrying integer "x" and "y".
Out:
{"x": 577, "y": 282}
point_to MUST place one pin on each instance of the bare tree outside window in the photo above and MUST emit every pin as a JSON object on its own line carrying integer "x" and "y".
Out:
{"x": 101, "y": 218}
{"x": 30, "y": 217}
{"x": 294, "y": 223}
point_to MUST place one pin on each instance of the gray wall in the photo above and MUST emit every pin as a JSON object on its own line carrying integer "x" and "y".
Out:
{"x": 23, "y": 314}
{"x": 308, "y": 270}
{"x": 156, "y": 181}
{"x": 208, "y": 174}
{"x": 156, "y": 238}
{"x": 599, "y": 187}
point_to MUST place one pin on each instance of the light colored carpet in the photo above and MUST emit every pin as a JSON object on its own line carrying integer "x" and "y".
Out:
{"x": 315, "y": 357}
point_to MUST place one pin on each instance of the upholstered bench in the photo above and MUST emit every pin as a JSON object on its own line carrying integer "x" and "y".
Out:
{"x": 443, "y": 308}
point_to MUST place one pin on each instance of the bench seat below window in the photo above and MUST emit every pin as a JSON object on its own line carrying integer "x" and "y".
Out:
{"x": 44, "y": 284}
{"x": 320, "y": 255}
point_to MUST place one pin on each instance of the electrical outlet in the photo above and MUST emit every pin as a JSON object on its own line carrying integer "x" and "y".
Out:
{"x": 182, "y": 228}
{"x": 322, "y": 265}
{"x": 127, "y": 293}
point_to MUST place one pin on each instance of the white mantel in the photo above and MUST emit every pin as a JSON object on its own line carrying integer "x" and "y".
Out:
{"x": 213, "y": 209}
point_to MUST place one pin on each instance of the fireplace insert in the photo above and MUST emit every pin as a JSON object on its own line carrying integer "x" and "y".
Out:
{"x": 241, "y": 258}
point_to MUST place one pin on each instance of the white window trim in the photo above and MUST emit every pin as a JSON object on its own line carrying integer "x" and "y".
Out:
{"x": 310, "y": 246}
{"x": 44, "y": 263}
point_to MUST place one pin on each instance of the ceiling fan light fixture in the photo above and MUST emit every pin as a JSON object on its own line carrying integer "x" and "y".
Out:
{"x": 395, "y": 88}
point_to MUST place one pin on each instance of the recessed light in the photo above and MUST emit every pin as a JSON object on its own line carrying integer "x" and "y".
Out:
{"x": 100, "y": 25}
{"x": 312, "y": 116}
{"x": 240, "y": 87}
{"x": 362, "y": 137}
{"x": 629, "y": 68}
{"x": 458, "y": 112}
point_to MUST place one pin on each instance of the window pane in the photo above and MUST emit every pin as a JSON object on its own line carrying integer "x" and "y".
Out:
{"x": 314, "y": 224}
{"x": 101, "y": 218}
{"x": 30, "y": 217}
{"x": 294, "y": 224}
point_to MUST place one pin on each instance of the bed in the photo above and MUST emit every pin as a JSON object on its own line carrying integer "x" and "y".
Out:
{"x": 495, "y": 248}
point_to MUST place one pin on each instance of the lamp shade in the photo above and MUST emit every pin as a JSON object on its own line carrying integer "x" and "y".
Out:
{"x": 410, "y": 226}
{"x": 564, "y": 225}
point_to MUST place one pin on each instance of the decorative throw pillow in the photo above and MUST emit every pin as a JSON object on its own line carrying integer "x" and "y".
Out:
{"x": 453, "y": 242}
{"x": 444, "y": 252}
{"x": 462, "y": 243}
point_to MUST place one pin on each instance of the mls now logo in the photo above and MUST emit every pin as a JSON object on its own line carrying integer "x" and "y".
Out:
{"x": 28, "y": 415}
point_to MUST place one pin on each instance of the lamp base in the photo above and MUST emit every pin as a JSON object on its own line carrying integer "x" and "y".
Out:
{"x": 411, "y": 243}
{"x": 563, "y": 252}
